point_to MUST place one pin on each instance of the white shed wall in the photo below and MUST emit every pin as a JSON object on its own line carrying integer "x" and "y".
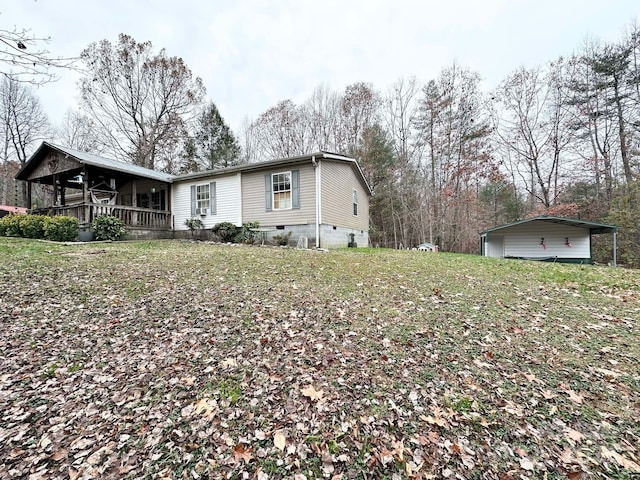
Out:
{"x": 228, "y": 198}
{"x": 524, "y": 241}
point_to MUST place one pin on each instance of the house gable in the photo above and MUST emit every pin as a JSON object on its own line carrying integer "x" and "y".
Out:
{"x": 339, "y": 182}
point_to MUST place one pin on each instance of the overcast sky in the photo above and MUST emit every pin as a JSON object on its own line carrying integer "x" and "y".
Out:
{"x": 252, "y": 54}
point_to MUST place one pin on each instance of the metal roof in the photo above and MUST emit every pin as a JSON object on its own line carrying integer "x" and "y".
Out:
{"x": 95, "y": 161}
{"x": 593, "y": 227}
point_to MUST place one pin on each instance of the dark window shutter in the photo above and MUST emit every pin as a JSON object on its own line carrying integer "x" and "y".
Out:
{"x": 267, "y": 192}
{"x": 193, "y": 201}
{"x": 213, "y": 203}
{"x": 355, "y": 203}
{"x": 295, "y": 189}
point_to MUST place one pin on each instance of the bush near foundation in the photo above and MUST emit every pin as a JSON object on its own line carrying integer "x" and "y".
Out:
{"x": 61, "y": 228}
{"x": 108, "y": 227}
{"x": 10, "y": 225}
{"x": 32, "y": 226}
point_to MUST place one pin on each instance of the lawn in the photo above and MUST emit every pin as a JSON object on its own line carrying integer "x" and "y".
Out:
{"x": 193, "y": 360}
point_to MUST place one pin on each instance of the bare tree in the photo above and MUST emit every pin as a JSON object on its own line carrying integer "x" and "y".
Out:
{"x": 359, "y": 108}
{"x": 322, "y": 111}
{"x": 77, "y": 131}
{"x": 454, "y": 133}
{"x": 281, "y": 131}
{"x": 401, "y": 114}
{"x": 24, "y": 124}
{"x": 532, "y": 127}
{"x": 137, "y": 99}
{"x": 23, "y": 58}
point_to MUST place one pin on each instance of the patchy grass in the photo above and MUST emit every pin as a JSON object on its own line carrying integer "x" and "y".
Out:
{"x": 178, "y": 359}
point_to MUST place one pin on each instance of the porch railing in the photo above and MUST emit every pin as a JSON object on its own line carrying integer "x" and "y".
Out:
{"x": 130, "y": 216}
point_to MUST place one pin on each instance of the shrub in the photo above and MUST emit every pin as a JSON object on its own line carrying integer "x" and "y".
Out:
{"x": 32, "y": 226}
{"x": 246, "y": 233}
{"x": 194, "y": 225}
{"x": 10, "y": 225}
{"x": 108, "y": 227}
{"x": 282, "y": 239}
{"x": 226, "y": 231}
{"x": 61, "y": 228}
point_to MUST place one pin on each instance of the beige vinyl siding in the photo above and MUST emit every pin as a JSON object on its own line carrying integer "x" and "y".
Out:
{"x": 227, "y": 201}
{"x": 338, "y": 182}
{"x": 253, "y": 198}
{"x": 524, "y": 240}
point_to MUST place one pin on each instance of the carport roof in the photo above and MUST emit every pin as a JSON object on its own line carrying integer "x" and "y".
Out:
{"x": 593, "y": 227}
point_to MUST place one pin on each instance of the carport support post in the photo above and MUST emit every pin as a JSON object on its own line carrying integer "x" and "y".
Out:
{"x": 615, "y": 248}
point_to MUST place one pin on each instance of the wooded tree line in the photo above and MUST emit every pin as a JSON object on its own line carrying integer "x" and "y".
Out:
{"x": 445, "y": 159}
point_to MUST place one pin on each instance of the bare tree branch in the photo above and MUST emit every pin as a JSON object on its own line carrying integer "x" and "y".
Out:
{"x": 24, "y": 59}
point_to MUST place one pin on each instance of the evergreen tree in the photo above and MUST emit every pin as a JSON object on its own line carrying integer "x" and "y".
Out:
{"x": 214, "y": 145}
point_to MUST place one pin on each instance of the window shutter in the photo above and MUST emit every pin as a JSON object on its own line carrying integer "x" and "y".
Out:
{"x": 295, "y": 189}
{"x": 193, "y": 201}
{"x": 213, "y": 202}
{"x": 355, "y": 203}
{"x": 267, "y": 192}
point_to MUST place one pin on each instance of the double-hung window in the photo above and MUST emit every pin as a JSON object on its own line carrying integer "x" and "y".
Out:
{"x": 282, "y": 190}
{"x": 202, "y": 197}
{"x": 281, "y": 185}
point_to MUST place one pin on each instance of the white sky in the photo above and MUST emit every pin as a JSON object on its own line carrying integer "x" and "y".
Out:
{"x": 252, "y": 54}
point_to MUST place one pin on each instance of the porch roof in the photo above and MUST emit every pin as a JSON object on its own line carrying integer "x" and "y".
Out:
{"x": 92, "y": 160}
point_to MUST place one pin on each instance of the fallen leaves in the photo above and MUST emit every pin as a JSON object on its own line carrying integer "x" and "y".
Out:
{"x": 157, "y": 369}
{"x": 574, "y": 396}
{"x": 620, "y": 459}
{"x": 240, "y": 452}
{"x": 310, "y": 392}
{"x": 527, "y": 464}
{"x": 279, "y": 440}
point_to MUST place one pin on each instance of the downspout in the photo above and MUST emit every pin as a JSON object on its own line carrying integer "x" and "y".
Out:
{"x": 316, "y": 168}
{"x": 240, "y": 220}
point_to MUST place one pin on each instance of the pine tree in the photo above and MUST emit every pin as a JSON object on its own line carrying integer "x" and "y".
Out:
{"x": 214, "y": 145}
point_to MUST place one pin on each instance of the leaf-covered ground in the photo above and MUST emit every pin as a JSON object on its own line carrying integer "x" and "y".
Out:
{"x": 192, "y": 360}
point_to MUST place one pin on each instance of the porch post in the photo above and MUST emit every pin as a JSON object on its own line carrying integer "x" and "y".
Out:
{"x": 85, "y": 196}
{"x": 134, "y": 201}
{"x": 55, "y": 190}
{"x": 29, "y": 206}
{"x": 167, "y": 193}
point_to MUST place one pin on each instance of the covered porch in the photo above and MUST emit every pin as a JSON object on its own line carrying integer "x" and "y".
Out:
{"x": 86, "y": 186}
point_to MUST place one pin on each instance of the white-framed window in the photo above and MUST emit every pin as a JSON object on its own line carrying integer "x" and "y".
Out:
{"x": 203, "y": 198}
{"x": 281, "y": 188}
{"x": 355, "y": 203}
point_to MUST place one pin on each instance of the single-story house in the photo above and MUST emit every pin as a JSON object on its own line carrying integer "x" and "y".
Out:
{"x": 545, "y": 238}
{"x": 321, "y": 197}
